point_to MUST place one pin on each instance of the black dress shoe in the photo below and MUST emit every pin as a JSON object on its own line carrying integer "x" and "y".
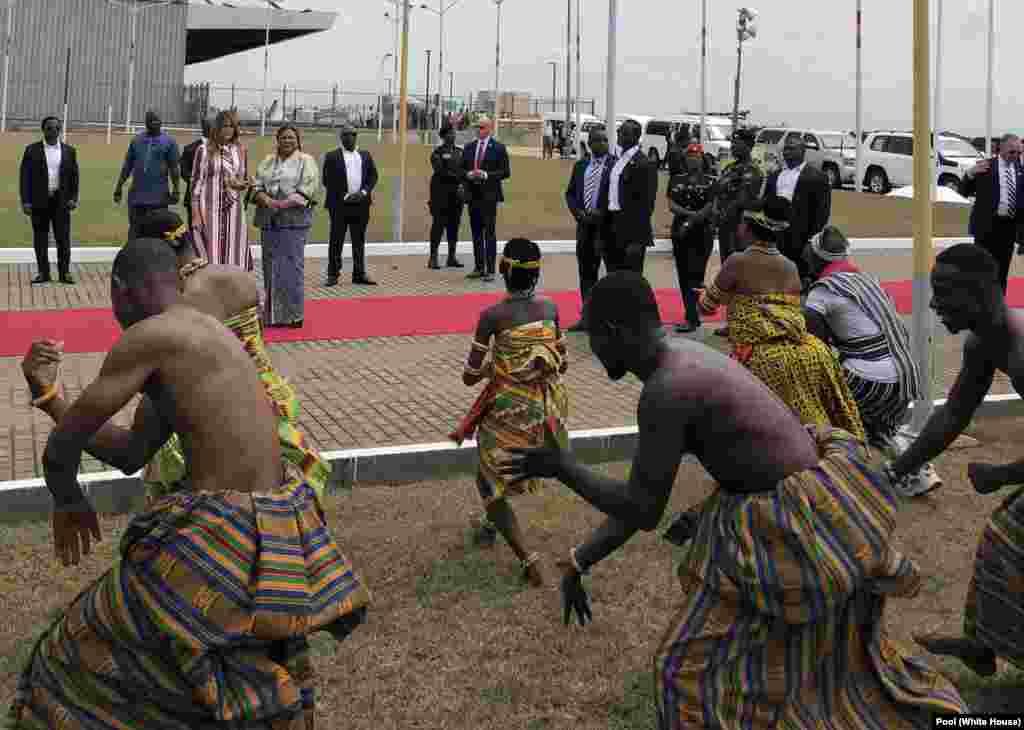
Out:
{"x": 66, "y": 279}
{"x": 432, "y": 264}
{"x": 331, "y": 281}
{"x": 364, "y": 280}
{"x": 454, "y": 264}
{"x": 41, "y": 279}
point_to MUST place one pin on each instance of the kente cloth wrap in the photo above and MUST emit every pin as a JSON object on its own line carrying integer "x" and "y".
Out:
{"x": 994, "y": 613}
{"x": 865, "y": 291}
{"x": 524, "y": 398}
{"x": 769, "y": 335}
{"x": 168, "y": 472}
{"x": 203, "y": 622}
{"x": 781, "y": 625}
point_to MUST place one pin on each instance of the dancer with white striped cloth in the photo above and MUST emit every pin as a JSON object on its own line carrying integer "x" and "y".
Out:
{"x": 851, "y": 311}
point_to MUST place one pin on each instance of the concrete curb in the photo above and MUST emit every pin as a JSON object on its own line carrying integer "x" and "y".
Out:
{"x": 105, "y": 254}
{"x": 113, "y": 492}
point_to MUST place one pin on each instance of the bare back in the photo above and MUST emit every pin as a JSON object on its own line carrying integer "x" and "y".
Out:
{"x": 740, "y": 431}
{"x": 221, "y": 291}
{"x": 513, "y": 313}
{"x": 756, "y": 272}
{"x": 206, "y": 389}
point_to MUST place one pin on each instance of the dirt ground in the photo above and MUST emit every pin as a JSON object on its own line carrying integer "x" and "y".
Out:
{"x": 454, "y": 640}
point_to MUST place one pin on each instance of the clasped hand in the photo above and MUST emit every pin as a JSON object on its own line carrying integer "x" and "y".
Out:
{"x": 41, "y": 365}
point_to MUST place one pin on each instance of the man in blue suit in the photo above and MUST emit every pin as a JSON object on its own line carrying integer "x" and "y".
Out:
{"x": 587, "y": 198}
{"x": 486, "y": 164}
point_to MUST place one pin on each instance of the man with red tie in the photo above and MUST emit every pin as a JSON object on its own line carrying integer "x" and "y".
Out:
{"x": 486, "y": 163}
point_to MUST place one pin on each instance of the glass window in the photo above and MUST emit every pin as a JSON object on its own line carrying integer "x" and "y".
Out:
{"x": 951, "y": 147}
{"x": 791, "y": 138}
{"x": 901, "y": 146}
{"x": 839, "y": 141}
{"x": 879, "y": 142}
{"x": 769, "y": 136}
{"x": 811, "y": 141}
{"x": 716, "y": 134}
{"x": 659, "y": 129}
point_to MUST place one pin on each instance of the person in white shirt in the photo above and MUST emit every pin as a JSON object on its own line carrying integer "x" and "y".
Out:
{"x": 632, "y": 191}
{"x": 810, "y": 196}
{"x": 49, "y": 192}
{"x": 349, "y": 176}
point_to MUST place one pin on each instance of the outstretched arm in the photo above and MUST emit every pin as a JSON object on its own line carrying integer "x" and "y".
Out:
{"x": 124, "y": 373}
{"x": 948, "y": 422}
{"x": 475, "y": 370}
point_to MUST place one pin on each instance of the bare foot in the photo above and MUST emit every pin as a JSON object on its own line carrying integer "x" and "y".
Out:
{"x": 980, "y": 659}
{"x": 532, "y": 572}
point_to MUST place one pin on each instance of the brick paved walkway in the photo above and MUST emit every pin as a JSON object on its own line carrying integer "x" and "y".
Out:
{"x": 374, "y": 392}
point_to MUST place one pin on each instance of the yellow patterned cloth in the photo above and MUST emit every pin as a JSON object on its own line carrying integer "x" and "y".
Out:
{"x": 784, "y": 596}
{"x": 168, "y": 472}
{"x": 524, "y": 397}
{"x": 769, "y": 335}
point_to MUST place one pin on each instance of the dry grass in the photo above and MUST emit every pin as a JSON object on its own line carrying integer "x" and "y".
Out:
{"x": 454, "y": 639}
{"x": 535, "y": 205}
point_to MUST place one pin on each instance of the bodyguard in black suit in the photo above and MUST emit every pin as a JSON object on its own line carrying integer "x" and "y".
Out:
{"x": 49, "y": 192}
{"x": 485, "y": 162}
{"x": 349, "y": 177}
{"x": 587, "y": 198}
{"x": 633, "y": 189}
{"x": 996, "y": 184}
{"x": 446, "y": 190}
{"x": 810, "y": 203}
{"x": 188, "y": 155}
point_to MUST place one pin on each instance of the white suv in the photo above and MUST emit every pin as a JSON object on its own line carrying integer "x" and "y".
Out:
{"x": 888, "y": 160}
{"x": 834, "y": 153}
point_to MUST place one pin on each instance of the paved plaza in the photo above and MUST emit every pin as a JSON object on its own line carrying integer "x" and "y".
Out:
{"x": 385, "y": 391}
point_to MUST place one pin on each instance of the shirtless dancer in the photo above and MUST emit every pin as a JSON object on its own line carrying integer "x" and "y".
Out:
{"x": 180, "y": 633}
{"x": 967, "y": 295}
{"x": 793, "y": 552}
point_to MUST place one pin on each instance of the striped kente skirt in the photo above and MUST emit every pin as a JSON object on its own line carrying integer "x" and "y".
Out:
{"x": 882, "y": 408}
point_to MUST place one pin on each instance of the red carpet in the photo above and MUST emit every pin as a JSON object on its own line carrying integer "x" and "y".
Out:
{"x": 95, "y": 330}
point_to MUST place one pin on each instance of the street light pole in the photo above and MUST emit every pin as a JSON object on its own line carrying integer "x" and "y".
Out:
{"x": 7, "y": 62}
{"x": 266, "y": 70}
{"x": 134, "y": 11}
{"x": 426, "y": 99}
{"x": 703, "y": 67}
{"x": 937, "y": 101}
{"x": 613, "y": 15}
{"x": 568, "y": 65}
{"x": 988, "y": 85}
{"x": 403, "y": 122}
{"x": 497, "y": 71}
{"x": 858, "y": 169}
{"x": 554, "y": 82}
{"x": 579, "y": 85}
{"x": 380, "y": 105}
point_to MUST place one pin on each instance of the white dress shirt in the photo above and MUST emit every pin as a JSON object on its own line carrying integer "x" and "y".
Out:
{"x": 353, "y": 169}
{"x": 1004, "y": 202}
{"x": 785, "y": 186}
{"x": 616, "y": 174}
{"x": 53, "y": 155}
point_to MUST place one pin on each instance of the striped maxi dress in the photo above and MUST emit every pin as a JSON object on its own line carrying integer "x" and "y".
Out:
{"x": 221, "y": 237}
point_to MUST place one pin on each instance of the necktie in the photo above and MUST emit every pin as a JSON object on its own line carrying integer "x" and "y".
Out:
{"x": 591, "y": 184}
{"x": 480, "y": 147}
{"x": 1011, "y": 191}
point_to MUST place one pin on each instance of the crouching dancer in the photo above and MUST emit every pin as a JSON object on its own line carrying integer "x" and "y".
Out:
{"x": 203, "y": 622}
{"x": 785, "y": 582}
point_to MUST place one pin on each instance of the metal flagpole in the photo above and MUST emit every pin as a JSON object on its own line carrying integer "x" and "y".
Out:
{"x": 394, "y": 79}
{"x": 568, "y": 66}
{"x": 67, "y": 89}
{"x": 7, "y": 62}
{"x": 609, "y": 112}
{"x": 988, "y": 85}
{"x": 134, "y": 10}
{"x": 497, "y": 70}
{"x": 858, "y": 170}
{"x": 266, "y": 70}
{"x": 703, "y": 68}
{"x": 579, "y": 84}
{"x": 937, "y": 101}
{"x": 923, "y": 244}
{"x": 403, "y": 136}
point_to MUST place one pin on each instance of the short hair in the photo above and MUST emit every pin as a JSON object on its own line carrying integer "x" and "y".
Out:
{"x": 141, "y": 257}
{"x": 524, "y": 251}
{"x": 969, "y": 258}
{"x": 161, "y": 222}
{"x": 46, "y": 119}
{"x": 289, "y": 128}
{"x": 1009, "y": 137}
{"x": 634, "y": 123}
{"x": 624, "y": 298}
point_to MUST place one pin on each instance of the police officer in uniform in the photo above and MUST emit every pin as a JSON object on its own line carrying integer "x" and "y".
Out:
{"x": 692, "y": 231}
{"x": 447, "y": 196}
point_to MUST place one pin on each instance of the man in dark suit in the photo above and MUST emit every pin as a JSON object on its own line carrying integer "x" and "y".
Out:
{"x": 632, "y": 191}
{"x": 810, "y": 203}
{"x": 350, "y": 176}
{"x": 188, "y": 154}
{"x": 587, "y": 198}
{"x": 49, "y": 192}
{"x": 485, "y": 161}
{"x": 995, "y": 185}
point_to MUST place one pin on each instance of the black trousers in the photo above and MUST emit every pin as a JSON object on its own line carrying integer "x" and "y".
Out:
{"x": 483, "y": 220}
{"x": 794, "y": 251}
{"x": 55, "y": 215}
{"x": 622, "y": 253}
{"x": 345, "y": 219}
{"x": 727, "y": 243}
{"x": 691, "y": 249}
{"x": 137, "y": 213}
{"x": 447, "y": 219}
{"x": 999, "y": 242}
{"x": 591, "y": 249}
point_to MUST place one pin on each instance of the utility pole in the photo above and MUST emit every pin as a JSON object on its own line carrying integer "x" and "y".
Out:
{"x": 554, "y": 83}
{"x": 745, "y": 29}
{"x": 568, "y": 66}
{"x": 426, "y": 98}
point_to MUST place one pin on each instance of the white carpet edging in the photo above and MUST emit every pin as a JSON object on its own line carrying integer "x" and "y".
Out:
{"x": 105, "y": 254}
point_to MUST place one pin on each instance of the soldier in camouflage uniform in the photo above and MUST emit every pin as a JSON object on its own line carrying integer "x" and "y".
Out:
{"x": 738, "y": 188}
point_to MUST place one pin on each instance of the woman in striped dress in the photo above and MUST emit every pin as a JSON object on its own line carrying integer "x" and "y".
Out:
{"x": 219, "y": 181}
